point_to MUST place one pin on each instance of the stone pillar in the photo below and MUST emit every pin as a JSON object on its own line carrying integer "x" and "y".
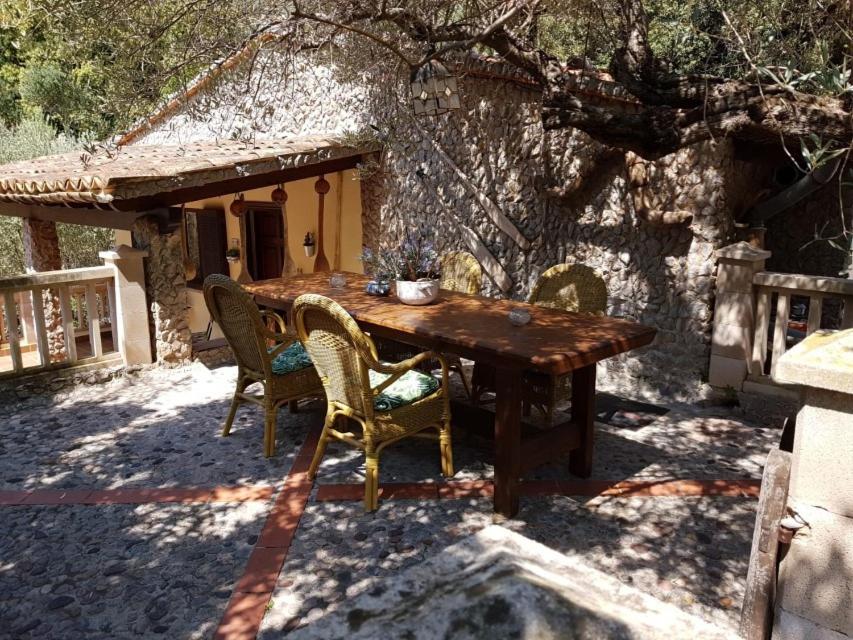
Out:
{"x": 131, "y": 311}
{"x": 734, "y": 322}
{"x": 372, "y": 187}
{"x": 166, "y": 288}
{"x": 41, "y": 246}
{"x": 815, "y": 594}
{"x": 41, "y": 253}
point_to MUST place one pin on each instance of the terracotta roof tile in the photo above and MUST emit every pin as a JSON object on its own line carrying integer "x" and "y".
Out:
{"x": 147, "y": 170}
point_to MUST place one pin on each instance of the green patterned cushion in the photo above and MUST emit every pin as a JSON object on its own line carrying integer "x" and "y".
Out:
{"x": 409, "y": 388}
{"x": 291, "y": 359}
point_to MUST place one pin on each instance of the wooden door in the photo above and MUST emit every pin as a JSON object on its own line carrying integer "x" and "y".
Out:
{"x": 265, "y": 240}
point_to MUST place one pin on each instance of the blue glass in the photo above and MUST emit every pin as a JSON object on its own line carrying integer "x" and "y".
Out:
{"x": 375, "y": 288}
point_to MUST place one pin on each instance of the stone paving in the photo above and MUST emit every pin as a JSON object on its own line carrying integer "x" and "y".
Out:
{"x": 109, "y": 560}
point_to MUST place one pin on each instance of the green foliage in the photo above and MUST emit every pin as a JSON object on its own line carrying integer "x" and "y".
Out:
{"x": 33, "y": 137}
{"x": 69, "y": 100}
{"x": 78, "y": 245}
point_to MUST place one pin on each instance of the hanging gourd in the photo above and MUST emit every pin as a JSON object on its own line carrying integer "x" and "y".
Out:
{"x": 279, "y": 195}
{"x": 322, "y": 187}
{"x": 239, "y": 207}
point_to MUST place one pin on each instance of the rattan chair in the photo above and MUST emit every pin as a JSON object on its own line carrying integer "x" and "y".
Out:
{"x": 571, "y": 287}
{"x": 284, "y": 370}
{"x": 388, "y": 401}
{"x": 461, "y": 272}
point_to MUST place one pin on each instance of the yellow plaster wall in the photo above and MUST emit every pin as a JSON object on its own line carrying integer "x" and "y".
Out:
{"x": 342, "y": 204}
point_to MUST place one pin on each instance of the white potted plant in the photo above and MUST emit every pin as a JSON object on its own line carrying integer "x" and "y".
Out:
{"x": 418, "y": 268}
{"x": 308, "y": 244}
{"x": 413, "y": 265}
{"x": 232, "y": 255}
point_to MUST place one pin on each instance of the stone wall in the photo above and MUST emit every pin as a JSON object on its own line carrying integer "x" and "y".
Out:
{"x": 492, "y": 159}
{"x": 166, "y": 289}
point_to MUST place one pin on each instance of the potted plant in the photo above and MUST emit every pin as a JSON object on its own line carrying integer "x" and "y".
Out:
{"x": 308, "y": 244}
{"x": 413, "y": 264}
{"x": 232, "y": 254}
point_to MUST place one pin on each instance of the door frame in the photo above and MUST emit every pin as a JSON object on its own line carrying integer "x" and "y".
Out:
{"x": 249, "y": 233}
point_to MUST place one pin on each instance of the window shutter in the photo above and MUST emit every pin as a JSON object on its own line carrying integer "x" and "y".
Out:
{"x": 212, "y": 242}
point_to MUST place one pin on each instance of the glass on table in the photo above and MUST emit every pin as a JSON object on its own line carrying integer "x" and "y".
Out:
{"x": 519, "y": 316}
{"x": 337, "y": 281}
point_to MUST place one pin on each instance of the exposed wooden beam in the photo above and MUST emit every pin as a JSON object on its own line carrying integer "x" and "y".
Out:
{"x": 73, "y": 215}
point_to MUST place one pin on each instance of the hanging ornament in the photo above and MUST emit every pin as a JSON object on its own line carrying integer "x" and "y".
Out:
{"x": 322, "y": 186}
{"x": 279, "y": 195}
{"x": 239, "y": 207}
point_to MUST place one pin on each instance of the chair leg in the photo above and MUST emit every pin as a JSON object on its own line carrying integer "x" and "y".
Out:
{"x": 458, "y": 368}
{"x": 446, "y": 445}
{"x": 371, "y": 480}
{"x": 270, "y": 414}
{"x": 235, "y": 404}
{"x": 320, "y": 451}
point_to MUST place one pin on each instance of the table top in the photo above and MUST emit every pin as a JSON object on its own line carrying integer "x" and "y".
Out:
{"x": 472, "y": 326}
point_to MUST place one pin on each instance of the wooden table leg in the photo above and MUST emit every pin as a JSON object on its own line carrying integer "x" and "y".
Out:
{"x": 583, "y": 415}
{"x": 507, "y": 440}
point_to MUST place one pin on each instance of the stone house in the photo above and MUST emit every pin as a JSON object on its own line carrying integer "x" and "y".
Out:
{"x": 487, "y": 177}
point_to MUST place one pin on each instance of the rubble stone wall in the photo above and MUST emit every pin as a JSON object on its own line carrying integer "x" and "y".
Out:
{"x": 455, "y": 171}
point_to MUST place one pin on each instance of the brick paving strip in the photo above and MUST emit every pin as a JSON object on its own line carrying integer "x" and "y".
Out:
{"x": 252, "y": 593}
{"x": 454, "y": 490}
{"x": 200, "y": 495}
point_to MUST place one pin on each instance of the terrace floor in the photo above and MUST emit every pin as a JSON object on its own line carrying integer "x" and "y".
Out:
{"x": 125, "y": 514}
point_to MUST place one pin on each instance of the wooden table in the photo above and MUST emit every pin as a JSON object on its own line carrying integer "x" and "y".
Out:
{"x": 477, "y": 328}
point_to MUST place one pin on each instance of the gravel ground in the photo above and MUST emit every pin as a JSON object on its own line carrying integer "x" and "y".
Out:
{"x": 116, "y": 571}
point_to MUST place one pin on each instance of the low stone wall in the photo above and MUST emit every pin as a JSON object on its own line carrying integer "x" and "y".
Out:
{"x": 214, "y": 357}
{"x": 54, "y": 382}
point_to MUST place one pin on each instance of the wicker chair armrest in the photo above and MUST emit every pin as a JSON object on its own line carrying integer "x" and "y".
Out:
{"x": 272, "y": 315}
{"x": 397, "y": 370}
{"x": 283, "y": 341}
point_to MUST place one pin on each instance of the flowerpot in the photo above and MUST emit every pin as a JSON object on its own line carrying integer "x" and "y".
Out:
{"x": 417, "y": 293}
{"x": 380, "y": 289}
{"x": 309, "y": 250}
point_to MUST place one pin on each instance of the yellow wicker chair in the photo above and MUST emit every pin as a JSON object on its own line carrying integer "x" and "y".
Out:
{"x": 461, "y": 272}
{"x": 285, "y": 371}
{"x": 571, "y": 287}
{"x": 362, "y": 389}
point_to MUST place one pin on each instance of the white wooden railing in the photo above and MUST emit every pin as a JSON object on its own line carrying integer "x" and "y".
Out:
{"x": 784, "y": 287}
{"x": 86, "y": 302}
